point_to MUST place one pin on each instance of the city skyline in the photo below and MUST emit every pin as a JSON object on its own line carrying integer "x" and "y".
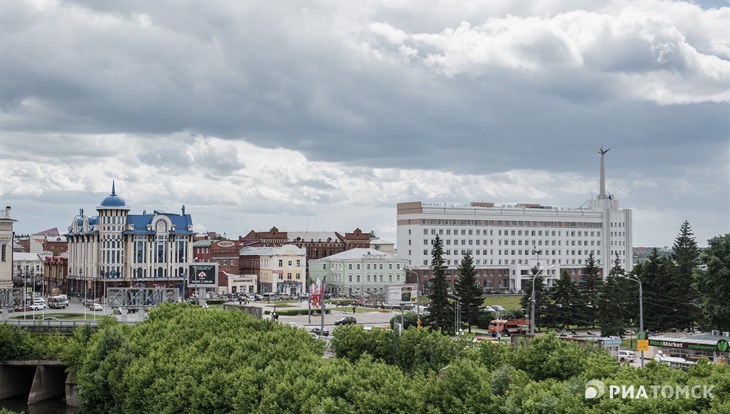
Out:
{"x": 323, "y": 116}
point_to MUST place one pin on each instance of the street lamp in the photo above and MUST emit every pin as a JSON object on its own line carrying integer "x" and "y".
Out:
{"x": 641, "y": 308}
{"x": 532, "y": 294}
{"x": 418, "y": 295}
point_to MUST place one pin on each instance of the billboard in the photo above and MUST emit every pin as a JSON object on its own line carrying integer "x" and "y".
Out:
{"x": 203, "y": 275}
{"x": 401, "y": 294}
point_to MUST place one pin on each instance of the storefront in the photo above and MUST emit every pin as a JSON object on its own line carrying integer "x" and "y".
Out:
{"x": 690, "y": 348}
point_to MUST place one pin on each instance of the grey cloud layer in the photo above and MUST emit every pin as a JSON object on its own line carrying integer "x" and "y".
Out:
{"x": 477, "y": 90}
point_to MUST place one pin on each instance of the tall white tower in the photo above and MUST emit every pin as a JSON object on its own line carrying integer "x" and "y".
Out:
{"x": 6, "y": 249}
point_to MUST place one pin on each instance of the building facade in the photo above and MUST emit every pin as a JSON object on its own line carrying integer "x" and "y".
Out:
{"x": 55, "y": 273}
{"x": 359, "y": 271}
{"x": 118, "y": 249}
{"x": 279, "y": 269}
{"x": 506, "y": 241}
{"x": 6, "y": 249}
{"x": 317, "y": 244}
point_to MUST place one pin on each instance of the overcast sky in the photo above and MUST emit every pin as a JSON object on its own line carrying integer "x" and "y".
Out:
{"x": 322, "y": 115}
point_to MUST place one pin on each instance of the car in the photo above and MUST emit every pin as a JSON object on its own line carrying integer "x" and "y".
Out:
{"x": 51, "y": 319}
{"x": 626, "y": 355}
{"x": 320, "y": 332}
{"x": 96, "y": 307}
{"x": 347, "y": 320}
{"x": 22, "y": 308}
{"x": 38, "y": 306}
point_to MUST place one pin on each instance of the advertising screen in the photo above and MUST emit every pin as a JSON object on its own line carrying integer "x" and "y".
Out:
{"x": 203, "y": 275}
{"x": 402, "y": 294}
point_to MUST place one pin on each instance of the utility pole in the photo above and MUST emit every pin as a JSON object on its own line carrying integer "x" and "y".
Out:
{"x": 322, "y": 291}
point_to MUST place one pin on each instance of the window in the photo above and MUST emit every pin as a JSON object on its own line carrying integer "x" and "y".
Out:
{"x": 349, "y": 266}
{"x": 299, "y": 264}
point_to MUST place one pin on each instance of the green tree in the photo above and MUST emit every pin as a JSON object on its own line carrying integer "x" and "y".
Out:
{"x": 565, "y": 303}
{"x": 712, "y": 282}
{"x": 686, "y": 256}
{"x": 660, "y": 304}
{"x": 468, "y": 290}
{"x": 441, "y": 311}
{"x": 590, "y": 288}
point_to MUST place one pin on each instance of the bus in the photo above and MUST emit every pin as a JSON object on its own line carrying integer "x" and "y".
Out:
{"x": 58, "y": 302}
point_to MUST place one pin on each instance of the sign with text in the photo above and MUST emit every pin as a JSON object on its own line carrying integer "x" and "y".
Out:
{"x": 719, "y": 346}
{"x": 203, "y": 275}
{"x": 401, "y": 294}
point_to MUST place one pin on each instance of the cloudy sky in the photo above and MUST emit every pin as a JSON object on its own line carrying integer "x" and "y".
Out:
{"x": 322, "y": 115}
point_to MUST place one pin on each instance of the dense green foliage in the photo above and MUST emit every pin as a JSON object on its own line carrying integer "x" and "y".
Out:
{"x": 713, "y": 283}
{"x": 442, "y": 312}
{"x": 18, "y": 343}
{"x": 469, "y": 292}
{"x": 590, "y": 285}
{"x": 184, "y": 359}
{"x": 565, "y": 302}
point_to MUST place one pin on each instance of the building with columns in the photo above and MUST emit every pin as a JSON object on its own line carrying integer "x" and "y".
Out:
{"x": 6, "y": 249}
{"x": 118, "y": 249}
{"x": 506, "y": 241}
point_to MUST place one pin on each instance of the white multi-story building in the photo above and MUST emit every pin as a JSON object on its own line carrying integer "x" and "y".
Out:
{"x": 280, "y": 269}
{"x": 358, "y": 271}
{"x": 118, "y": 249}
{"x": 506, "y": 241}
{"x": 6, "y": 249}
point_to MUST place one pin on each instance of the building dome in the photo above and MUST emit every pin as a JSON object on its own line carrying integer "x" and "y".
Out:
{"x": 113, "y": 200}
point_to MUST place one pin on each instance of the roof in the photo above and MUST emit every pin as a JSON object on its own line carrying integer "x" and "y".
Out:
{"x": 140, "y": 222}
{"x": 380, "y": 242}
{"x": 256, "y": 251}
{"x": 366, "y": 254}
{"x": 49, "y": 232}
{"x": 313, "y": 236}
{"x": 202, "y": 243}
{"x": 271, "y": 251}
{"x": 113, "y": 200}
{"x": 26, "y": 257}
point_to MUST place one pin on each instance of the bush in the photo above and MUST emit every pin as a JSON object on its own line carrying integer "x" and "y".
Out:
{"x": 297, "y": 312}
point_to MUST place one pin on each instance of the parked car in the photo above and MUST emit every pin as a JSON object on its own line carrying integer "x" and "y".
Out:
{"x": 320, "y": 332}
{"x": 347, "y": 320}
{"x": 626, "y": 355}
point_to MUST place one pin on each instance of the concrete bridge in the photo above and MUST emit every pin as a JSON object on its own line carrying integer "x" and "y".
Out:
{"x": 38, "y": 379}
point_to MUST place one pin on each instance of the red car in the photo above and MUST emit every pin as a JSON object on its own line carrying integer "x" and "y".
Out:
{"x": 22, "y": 308}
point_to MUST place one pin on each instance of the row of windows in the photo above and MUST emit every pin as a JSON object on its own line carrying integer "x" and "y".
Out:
{"x": 357, "y": 266}
{"x": 518, "y": 252}
{"x": 298, "y": 261}
{"x": 500, "y": 232}
{"x": 521, "y": 261}
{"x": 509, "y": 223}
{"x": 368, "y": 278}
{"x": 448, "y": 242}
{"x": 289, "y": 276}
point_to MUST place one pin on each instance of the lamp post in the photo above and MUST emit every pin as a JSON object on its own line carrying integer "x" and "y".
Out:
{"x": 641, "y": 308}
{"x": 532, "y": 294}
{"x": 418, "y": 295}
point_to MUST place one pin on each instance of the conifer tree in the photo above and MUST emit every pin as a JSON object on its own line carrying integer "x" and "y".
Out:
{"x": 590, "y": 287}
{"x": 469, "y": 293}
{"x": 565, "y": 302}
{"x": 686, "y": 256}
{"x": 441, "y": 312}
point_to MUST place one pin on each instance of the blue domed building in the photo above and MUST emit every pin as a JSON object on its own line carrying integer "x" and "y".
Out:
{"x": 118, "y": 249}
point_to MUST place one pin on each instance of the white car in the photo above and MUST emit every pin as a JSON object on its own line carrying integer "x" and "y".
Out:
{"x": 626, "y": 355}
{"x": 36, "y": 306}
{"x": 96, "y": 307}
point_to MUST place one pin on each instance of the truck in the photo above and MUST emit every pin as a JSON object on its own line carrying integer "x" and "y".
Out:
{"x": 507, "y": 327}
